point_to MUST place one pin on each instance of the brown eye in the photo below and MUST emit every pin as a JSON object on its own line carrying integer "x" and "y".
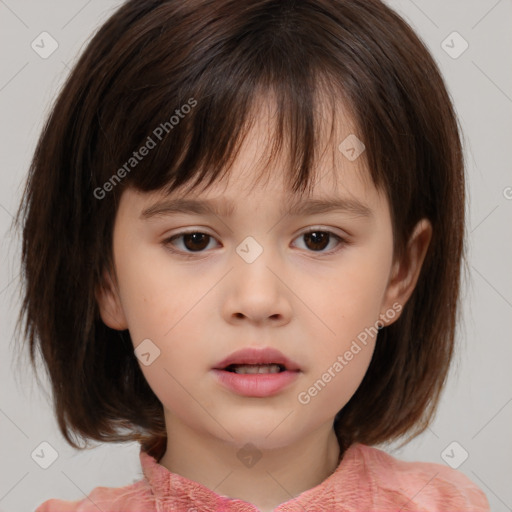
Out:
{"x": 317, "y": 240}
{"x": 192, "y": 242}
{"x": 196, "y": 241}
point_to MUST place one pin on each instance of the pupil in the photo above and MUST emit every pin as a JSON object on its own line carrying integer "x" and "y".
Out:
{"x": 319, "y": 239}
{"x": 195, "y": 238}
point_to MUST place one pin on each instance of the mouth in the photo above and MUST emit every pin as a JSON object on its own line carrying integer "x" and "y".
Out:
{"x": 251, "y": 361}
{"x": 251, "y": 369}
{"x": 256, "y": 380}
{"x": 256, "y": 372}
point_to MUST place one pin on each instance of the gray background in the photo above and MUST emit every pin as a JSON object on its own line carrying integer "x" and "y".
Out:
{"x": 476, "y": 407}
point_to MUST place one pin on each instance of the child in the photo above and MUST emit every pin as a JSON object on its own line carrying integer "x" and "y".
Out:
{"x": 317, "y": 316}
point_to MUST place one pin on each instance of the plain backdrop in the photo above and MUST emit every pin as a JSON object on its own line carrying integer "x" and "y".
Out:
{"x": 473, "y": 424}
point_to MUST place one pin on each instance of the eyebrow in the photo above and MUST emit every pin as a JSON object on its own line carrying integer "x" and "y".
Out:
{"x": 226, "y": 208}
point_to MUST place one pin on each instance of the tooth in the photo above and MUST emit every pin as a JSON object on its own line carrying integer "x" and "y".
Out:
{"x": 254, "y": 369}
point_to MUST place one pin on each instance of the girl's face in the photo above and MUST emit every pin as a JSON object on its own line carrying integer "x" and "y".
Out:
{"x": 253, "y": 277}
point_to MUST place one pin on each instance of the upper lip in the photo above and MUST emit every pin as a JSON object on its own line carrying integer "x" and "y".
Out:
{"x": 249, "y": 355}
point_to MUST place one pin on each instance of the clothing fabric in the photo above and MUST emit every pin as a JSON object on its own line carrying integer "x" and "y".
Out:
{"x": 366, "y": 479}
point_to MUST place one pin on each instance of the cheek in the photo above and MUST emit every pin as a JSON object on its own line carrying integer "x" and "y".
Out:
{"x": 162, "y": 305}
{"x": 336, "y": 375}
{"x": 179, "y": 358}
{"x": 340, "y": 363}
{"x": 352, "y": 298}
{"x": 348, "y": 308}
{"x": 154, "y": 294}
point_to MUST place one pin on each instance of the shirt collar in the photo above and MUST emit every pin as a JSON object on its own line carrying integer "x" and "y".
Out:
{"x": 172, "y": 490}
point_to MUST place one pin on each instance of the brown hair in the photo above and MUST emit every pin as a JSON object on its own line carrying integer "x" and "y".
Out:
{"x": 147, "y": 61}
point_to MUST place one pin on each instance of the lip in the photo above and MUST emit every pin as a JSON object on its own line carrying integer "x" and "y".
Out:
{"x": 265, "y": 355}
{"x": 256, "y": 385}
{"x": 261, "y": 384}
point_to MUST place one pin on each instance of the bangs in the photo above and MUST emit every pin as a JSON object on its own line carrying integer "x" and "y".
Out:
{"x": 190, "y": 111}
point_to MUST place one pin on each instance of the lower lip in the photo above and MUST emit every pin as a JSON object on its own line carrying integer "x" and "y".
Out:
{"x": 256, "y": 385}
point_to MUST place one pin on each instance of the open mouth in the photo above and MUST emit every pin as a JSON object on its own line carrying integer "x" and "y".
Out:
{"x": 255, "y": 368}
{"x": 256, "y": 376}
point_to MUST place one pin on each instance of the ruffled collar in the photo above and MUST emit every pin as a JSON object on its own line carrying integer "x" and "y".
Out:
{"x": 175, "y": 492}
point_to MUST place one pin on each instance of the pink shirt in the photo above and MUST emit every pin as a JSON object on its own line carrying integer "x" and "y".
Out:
{"x": 366, "y": 479}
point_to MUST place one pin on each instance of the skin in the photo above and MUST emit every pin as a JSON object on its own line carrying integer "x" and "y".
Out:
{"x": 308, "y": 304}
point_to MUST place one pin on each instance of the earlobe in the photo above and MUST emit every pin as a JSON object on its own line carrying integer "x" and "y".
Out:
{"x": 405, "y": 273}
{"x": 109, "y": 304}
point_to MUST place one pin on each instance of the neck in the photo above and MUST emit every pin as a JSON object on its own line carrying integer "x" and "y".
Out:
{"x": 258, "y": 475}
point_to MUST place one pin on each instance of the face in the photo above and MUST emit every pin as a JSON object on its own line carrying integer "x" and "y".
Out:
{"x": 257, "y": 277}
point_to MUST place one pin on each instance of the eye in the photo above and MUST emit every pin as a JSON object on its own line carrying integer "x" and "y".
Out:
{"x": 318, "y": 239}
{"x": 192, "y": 241}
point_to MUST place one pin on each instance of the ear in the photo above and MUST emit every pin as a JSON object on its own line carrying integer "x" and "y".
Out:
{"x": 405, "y": 273}
{"x": 109, "y": 303}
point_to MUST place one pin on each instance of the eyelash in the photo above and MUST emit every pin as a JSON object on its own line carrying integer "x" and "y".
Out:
{"x": 187, "y": 255}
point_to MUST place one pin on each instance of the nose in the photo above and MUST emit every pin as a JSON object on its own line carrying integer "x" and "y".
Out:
{"x": 258, "y": 291}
